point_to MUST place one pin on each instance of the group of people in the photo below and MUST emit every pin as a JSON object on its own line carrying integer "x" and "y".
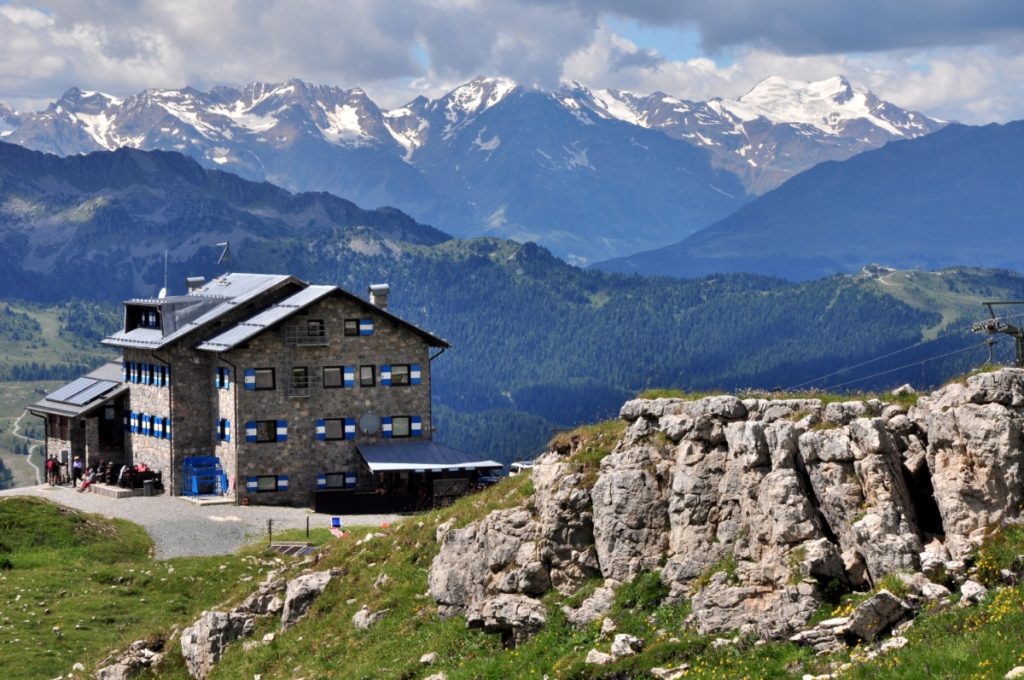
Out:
{"x": 57, "y": 471}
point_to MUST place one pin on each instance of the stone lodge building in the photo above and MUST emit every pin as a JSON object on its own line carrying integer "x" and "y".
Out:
{"x": 305, "y": 395}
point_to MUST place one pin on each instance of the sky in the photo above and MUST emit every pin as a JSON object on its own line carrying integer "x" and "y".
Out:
{"x": 954, "y": 59}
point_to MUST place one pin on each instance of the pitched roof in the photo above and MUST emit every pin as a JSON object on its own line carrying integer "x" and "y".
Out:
{"x": 84, "y": 394}
{"x": 183, "y": 314}
{"x": 252, "y": 327}
{"x": 419, "y": 454}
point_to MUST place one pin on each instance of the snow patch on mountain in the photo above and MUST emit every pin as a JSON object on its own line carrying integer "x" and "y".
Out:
{"x": 824, "y": 104}
{"x": 343, "y": 123}
{"x": 615, "y": 104}
{"x": 489, "y": 145}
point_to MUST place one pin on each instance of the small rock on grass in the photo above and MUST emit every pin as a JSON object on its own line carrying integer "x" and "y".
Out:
{"x": 599, "y": 658}
{"x": 429, "y": 658}
{"x": 1017, "y": 672}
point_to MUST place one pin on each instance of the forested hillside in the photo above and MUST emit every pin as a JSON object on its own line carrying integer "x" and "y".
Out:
{"x": 537, "y": 344}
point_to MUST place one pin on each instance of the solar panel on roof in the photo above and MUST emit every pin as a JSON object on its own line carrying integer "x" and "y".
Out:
{"x": 90, "y": 393}
{"x": 71, "y": 389}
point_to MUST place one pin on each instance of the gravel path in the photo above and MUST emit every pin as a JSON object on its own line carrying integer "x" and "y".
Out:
{"x": 179, "y": 528}
{"x": 33, "y": 444}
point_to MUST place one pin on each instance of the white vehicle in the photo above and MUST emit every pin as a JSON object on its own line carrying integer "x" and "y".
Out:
{"x": 519, "y": 466}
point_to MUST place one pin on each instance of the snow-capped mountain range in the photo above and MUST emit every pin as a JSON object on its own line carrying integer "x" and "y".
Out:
{"x": 589, "y": 173}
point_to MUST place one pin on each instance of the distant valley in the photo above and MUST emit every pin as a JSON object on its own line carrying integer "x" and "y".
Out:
{"x": 954, "y": 197}
{"x": 589, "y": 174}
{"x": 537, "y": 344}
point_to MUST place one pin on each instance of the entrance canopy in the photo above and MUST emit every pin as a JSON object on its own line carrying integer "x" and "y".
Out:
{"x": 420, "y": 456}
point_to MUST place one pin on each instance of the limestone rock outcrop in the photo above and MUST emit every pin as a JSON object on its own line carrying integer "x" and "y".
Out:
{"x": 752, "y": 509}
{"x": 299, "y": 595}
{"x": 203, "y": 643}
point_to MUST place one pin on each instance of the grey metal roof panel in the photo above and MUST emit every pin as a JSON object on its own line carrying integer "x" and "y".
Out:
{"x": 418, "y": 454}
{"x": 265, "y": 319}
{"x": 108, "y": 371}
{"x": 223, "y": 293}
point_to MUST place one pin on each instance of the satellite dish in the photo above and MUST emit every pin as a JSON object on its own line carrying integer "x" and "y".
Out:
{"x": 162, "y": 294}
{"x": 369, "y": 423}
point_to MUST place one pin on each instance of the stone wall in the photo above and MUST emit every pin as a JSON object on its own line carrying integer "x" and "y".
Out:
{"x": 153, "y": 401}
{"x": 302, "y": 457}
{"x": 224, "y": 407}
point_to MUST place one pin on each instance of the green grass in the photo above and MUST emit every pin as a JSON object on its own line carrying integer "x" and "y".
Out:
{"x": 93, "y": 578}
{"x": 588, "y": 446}
{"x": 14, "y": 397}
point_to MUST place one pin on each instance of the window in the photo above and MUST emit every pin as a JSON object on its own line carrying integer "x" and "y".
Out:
{"x": 266, "y": 483}
{"x": 351, "y": 326}
{"x": 266, "y": 430}
{"x": 300, "y": 378}
{"x": 340, "y": 480}
{"x": 265, "y": 379}
{"x": 367, "y": 376}
{"x": 334, "y": 428}
{"x": 399, "y": 374}
{"x": 332, "y": 376}
{"x": 224, "y": 430}
{"x": 315, "y": 328}
{"x": 401, "y": 426}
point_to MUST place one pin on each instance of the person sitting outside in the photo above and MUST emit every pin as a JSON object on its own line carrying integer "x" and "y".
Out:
{"x": 86, "y": 481}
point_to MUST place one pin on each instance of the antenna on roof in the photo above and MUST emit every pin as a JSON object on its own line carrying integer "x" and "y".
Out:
{"x": 224, "y": 253}
{"x": 163, "y": 291}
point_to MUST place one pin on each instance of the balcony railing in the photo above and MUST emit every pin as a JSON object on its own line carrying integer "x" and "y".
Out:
{"x": 297, "y": 336}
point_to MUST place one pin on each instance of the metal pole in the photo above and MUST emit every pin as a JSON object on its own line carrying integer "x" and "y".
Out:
{"x": 270, "y": 532}
{"x": 307, "y": 526}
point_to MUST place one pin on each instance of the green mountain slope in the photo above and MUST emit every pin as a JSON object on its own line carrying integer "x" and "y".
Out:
{"x": 537, "y": 344}
{"x": 950, "y": 198}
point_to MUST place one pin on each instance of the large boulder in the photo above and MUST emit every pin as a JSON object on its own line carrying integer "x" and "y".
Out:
{"x": 630, "y": 513}
{"x": 514, "y": 617}
{"x": 203, "y": 643}
{"x": 299, "y": 595}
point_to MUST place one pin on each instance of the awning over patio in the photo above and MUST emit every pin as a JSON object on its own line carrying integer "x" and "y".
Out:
{"x": 420, "y": 456}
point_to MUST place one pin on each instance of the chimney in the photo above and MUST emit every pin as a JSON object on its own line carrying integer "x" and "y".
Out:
{"x": 194, "y": 283}
{"x": 379, "y": 295}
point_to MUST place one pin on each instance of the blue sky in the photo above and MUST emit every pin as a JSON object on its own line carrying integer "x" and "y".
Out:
{"x": 956, "y": 59}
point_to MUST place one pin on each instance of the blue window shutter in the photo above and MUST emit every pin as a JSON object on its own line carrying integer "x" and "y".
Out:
{"x": 145, "y": 424}
{"x": 385, "y": 426}
{"x": 144, "y": 370}
{"x": 131, "y": 371}
{"x": 158, "y": 427}
{"x": 216, "y": 378}
{"x": 282, "y": 482}
{"x": 415, "y": 374}
{"x": 349, "y": 373}
{"x": 124, "y": 371}
{"x": 282, "y": 430}
{"x": 350, "y": 428}
{"x": 167, "y": 428}
{"x": 366, "y": 327}
{"x": 416, "y": 426}
{"x": 350, "y": 480}
{"x": 321, "y": 481}
{"x": 227, "y": 379}
{"x": 321, "y": 430}
{"x": 251, "y": 484}
{"x": 250, "y": 378}
{"x": 218, "y": 429}
{"x": 385, "y": 375}
{"x": 250, "y": 431}
{"x": 133, "y": 424}
{"x": 227, "y": 430}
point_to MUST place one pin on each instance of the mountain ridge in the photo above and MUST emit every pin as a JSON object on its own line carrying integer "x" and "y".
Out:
{"x": 609, "y": 172}
{"x": 951, "y": 198}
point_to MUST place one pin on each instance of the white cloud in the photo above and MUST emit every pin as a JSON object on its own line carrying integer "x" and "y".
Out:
{"x": 955, "y": 64}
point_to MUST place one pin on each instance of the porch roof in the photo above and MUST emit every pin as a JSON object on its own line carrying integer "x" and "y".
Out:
{"x": 420, "y": 455}
{"x": 84, "y": 394}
